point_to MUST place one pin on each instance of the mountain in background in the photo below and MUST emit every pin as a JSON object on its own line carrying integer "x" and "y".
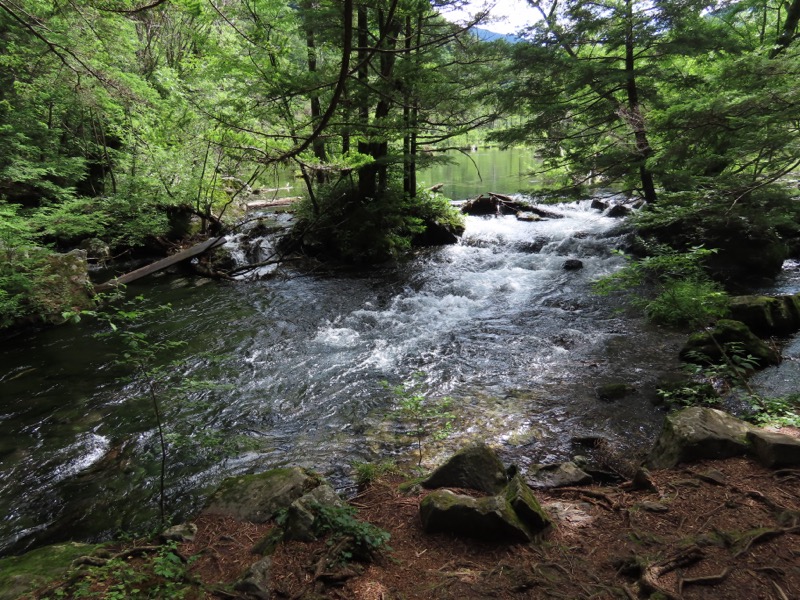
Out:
{"x": 490, "y": 36}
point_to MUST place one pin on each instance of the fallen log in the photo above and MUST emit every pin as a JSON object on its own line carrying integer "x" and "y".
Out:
{"x": 258, "y": 204}
{"x": 160, "y": 264}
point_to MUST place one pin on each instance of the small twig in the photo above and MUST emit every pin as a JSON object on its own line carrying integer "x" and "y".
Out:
{"x": 779, "y": 590}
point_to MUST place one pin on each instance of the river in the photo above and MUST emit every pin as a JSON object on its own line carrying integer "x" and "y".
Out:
{"x": 289, "y": 370}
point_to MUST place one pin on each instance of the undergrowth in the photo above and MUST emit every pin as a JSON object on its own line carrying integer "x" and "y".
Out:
{"x": 671, "y": 287}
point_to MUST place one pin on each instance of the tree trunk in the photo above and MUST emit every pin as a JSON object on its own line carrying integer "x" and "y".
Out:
{"x": 789, "y": 30}
{"x": 318, "y": 146}
{"x": 634, "y": 116}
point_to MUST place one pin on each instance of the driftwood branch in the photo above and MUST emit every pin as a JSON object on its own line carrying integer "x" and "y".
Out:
{"x": 160, "y": 265}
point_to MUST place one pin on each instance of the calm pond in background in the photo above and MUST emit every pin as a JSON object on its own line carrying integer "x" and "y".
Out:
{"x": 480, "y": 171}
{"x": 470, "y": 173}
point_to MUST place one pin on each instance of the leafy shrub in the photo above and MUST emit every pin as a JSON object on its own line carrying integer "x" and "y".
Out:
{"x": 671, "y": 287}
{"x": 351, "y": 538}
{"x": 345, "y": 226}
{"x": 782, "y": 411}
{"x": 687, "y": 301}
{"x": 423, "y": 417}
{"x": 689, "y": 393}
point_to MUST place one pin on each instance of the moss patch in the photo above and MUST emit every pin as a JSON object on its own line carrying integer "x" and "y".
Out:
{"x": 20, "y": 574}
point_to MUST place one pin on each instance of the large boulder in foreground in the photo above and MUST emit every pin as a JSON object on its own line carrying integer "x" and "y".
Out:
{"x": 487, "y": 518}
{"x": 258, "y": 498}
{"x": 696, "y": 433}
{"x": 437, "y": 234}
{"x": 774, "y": 449}
{"x": 476, "y": 467}
{"x": 725, "y": 332}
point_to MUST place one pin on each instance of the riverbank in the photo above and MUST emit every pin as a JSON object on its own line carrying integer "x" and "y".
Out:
{"x": 714, "y": 528}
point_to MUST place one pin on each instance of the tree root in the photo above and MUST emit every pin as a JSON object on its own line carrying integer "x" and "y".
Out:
{"x": 607, "y": 503}
{"x": 707, "y": 580}
{"x": 654, "y": 572}
{"x": 764, "y": 536}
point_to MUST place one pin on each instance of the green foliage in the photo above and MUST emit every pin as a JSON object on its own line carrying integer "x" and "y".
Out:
{"x": 689, "y": 393}
{"x": 735, "y": 367}
{"x": 432, "y": 207}
{"x": 687, "y": 301}
{"x": 732, "y": 370}
{"x": 670, "y": 286}
{"x": 783, "y": 411}
{"x": 351, "y": 538}
{"x": 72, "y": 220}
{"x": 366, "y": 472}
{"x": 156, "y": 575}
{"x": 20, "y": 263}
{"x": 423, "y": 417}
{"x": 354, "y": 229}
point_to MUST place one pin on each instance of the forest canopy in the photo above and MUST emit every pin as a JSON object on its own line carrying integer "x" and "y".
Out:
{"x": 121, "y": 119}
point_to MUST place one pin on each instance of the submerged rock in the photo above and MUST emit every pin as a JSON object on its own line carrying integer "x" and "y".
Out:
{"x": 618, "y": 210}
{"x": 696, "y": 433}
{"x": 614, "y": 390}
{"x": 572, "y": 264}
{"x": 528, "y": 216}
{"x": 438, "y": 234}
{"x": 493, "y": 205}
{"x": 476, "y": 467}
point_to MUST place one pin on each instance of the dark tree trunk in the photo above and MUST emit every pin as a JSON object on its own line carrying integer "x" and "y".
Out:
{"x": 789, "y": 30}
{"x": 634, "y": 116}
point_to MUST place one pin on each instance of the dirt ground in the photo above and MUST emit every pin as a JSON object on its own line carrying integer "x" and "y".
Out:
{"x": 717, "y": 529}
{"x": 726, "y": 529}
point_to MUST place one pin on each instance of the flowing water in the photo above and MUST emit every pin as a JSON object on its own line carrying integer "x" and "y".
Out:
{"x": 292, "y": 371}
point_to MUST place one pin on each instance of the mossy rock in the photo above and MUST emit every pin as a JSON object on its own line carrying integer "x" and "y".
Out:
{"x": 526, "y": 506}
{"x": 258, "y": 498}
{"x": 487, "y": 518}
{"x": 301, "y": 516}
{"x": 728, "y": 331}
{"x": 476, "y": 467}
{"x": 697, "y": 433}
{"x": 21, "y": 574}
{"x": 766, "y": 315}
